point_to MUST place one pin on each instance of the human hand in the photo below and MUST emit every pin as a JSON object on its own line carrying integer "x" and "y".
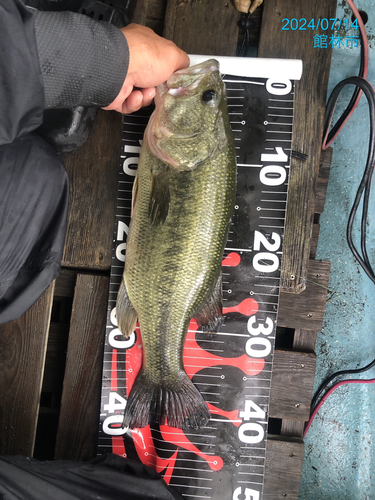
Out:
{"x": 152, "y": 60}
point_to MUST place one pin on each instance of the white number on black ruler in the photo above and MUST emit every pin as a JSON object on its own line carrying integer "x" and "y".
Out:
{"x": 233, "y": 368}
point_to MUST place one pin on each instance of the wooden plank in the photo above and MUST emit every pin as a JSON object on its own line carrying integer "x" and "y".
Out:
{"x": 54, "y": 368}
{"x": 155, "y": 15}
{"x": 65, "y": 284}
{"x": 322, "y": 182}
{"x": 151, "y": 13}
{"x": 22, "y": 354}
{"x": 80, "y": 402}
{"x": 304, "y": 340}
{"x": 320, "y": 197}
{"x": 208, "y": 27}
{"x": 292, "y": 427}
{"x": 93, "y": 174}
{"x": 306, "y": 310}
{"x": 308, "y": 122}
{"x": 314, "y": 240}
{"x": 284, "y": 458}
{"x": 140, "y": 12}
{"x": 292, "y": 385}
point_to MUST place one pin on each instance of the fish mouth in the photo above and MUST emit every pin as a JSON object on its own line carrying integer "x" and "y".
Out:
{"x": 172, "y": 85}
{"x": 201, "y": 68}
{"x": 157, "y": 130}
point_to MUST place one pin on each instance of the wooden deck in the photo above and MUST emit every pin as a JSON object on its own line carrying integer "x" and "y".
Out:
{"x": 51, "y": 358}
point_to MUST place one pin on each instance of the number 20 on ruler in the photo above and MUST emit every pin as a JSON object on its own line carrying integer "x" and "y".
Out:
{"x": 252, "y": 432}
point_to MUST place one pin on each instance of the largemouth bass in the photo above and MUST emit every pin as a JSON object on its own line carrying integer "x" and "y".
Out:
{"x": 183, "y": 198}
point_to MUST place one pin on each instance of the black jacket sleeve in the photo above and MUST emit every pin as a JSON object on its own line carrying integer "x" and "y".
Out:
{"x": 83, "y": 62}
{"x": 21, "y": 84}
{"x": 54, "y": 60}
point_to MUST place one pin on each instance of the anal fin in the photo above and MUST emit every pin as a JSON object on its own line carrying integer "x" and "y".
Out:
{"x": 210, "y": 316}
{"x": 125, "y": 313}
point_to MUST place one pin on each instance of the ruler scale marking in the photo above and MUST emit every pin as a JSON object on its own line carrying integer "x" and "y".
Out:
{"x": 258, "y": 260}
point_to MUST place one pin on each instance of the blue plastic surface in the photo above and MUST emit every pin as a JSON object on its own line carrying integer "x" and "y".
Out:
{"x": 339, "y": 447}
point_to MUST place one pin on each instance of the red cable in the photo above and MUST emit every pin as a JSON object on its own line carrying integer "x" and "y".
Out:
{"x": 328, "y": 393}
{"x": 365, "y": 70}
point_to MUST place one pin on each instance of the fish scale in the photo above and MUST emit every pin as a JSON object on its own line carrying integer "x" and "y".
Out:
{"x": 192, "y": 243}
{"x": 226, "y": 459}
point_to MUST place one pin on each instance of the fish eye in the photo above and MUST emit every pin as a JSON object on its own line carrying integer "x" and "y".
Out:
{"x": 208, "y": 96}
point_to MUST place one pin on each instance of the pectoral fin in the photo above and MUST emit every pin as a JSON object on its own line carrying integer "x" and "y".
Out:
{"x": 160, "y": 195}
{"x": 125, "y": 313}
{"x": 210, "y": 317}
{"x": 134, "y": 194}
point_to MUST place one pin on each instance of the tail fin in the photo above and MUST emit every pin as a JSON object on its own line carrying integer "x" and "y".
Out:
{"x": 179, "y": 405}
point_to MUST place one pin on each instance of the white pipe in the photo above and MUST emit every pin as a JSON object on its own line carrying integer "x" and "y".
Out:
{"x": 255, "y": 67}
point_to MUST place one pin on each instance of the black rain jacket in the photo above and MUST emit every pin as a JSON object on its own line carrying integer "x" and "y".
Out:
{"x": 51, "y": 60}
{"x": 47, "y": 60}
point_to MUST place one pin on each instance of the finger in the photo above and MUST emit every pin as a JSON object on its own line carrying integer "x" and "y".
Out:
{"x": 148, "y": 96}
{"x": 123, "y": 95}
{"x": 184, "y": 60}
{"x": 133, "y": 103}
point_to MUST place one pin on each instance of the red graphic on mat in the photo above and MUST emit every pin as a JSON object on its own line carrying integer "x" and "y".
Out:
{"x": 133, "y": 361}
{"x": 173, "y": 435}
{"x": 230, "y": 415}
{"x": 118, "y": 446}
{"x": 231, "y": 260}
{"x": 195, "y": 359}
{"x": 147, "y": 451}
{"x": 247, "y": 307}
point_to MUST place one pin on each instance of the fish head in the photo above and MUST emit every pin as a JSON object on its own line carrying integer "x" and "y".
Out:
{"x": 187, "y": 126}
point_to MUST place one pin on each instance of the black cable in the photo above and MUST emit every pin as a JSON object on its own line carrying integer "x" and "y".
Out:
{"x": 363, "y": 189}
{"x": 247, "y": 24}
{"x": 364, "y": 220}
{"x": 365, "y": 185}
{"x": 329, "y": 379}
{"x": 350, "y": 106}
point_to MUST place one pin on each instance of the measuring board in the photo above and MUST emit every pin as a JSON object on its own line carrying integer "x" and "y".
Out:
{"x": 232, "y": 369}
